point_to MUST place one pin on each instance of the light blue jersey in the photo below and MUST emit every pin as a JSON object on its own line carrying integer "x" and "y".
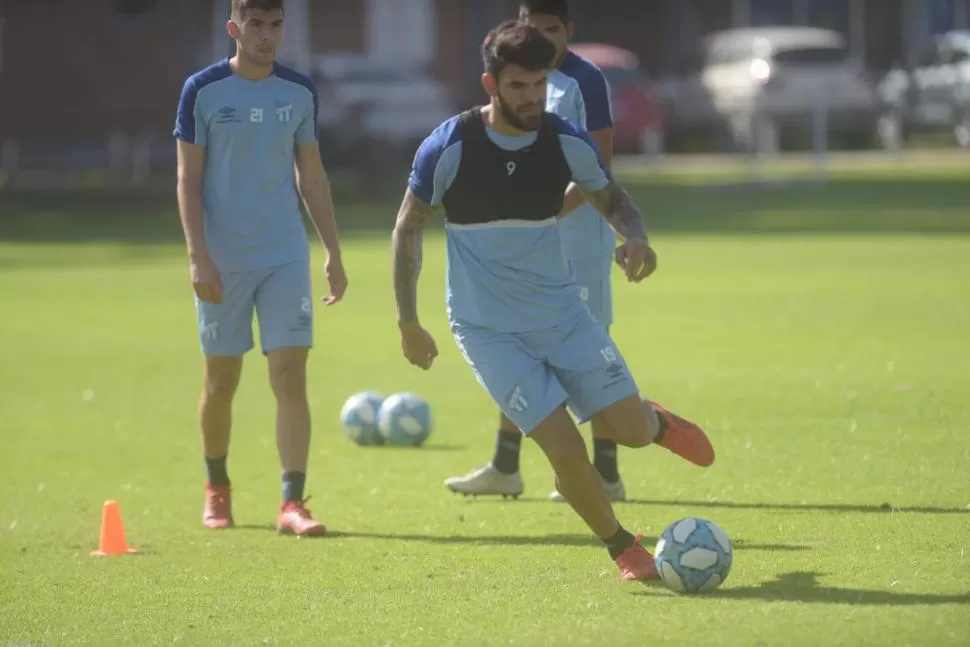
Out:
{"x": 249, "y": 129}
{"x": 507, "y": 274}
{"x": 578, "y": 91}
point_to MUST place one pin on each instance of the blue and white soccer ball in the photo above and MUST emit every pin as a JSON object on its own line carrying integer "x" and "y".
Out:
{"x": 404, "y": 419}
{"x": 693, "y": 556}
{"x": 358, "y": 417}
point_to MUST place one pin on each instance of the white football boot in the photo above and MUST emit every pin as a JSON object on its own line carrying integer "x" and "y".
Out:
{"x": 487, "y": 481}
{"x": 615, "y": 492}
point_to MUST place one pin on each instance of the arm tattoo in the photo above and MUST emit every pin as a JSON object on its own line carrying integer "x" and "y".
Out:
{"x": 618, "y": 208}
{"x": 407, "y": 241}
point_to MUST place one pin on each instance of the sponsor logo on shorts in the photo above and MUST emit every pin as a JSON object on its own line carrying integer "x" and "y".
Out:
{"x": 617, "y": 374}
{"x": 306, "y": 313}
{"x": 210, "y": 331}
{"x": 517, "y": 402}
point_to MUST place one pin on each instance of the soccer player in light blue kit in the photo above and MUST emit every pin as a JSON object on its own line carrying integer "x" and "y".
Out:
{"x": 516, "y": 312}
{"x": 247, "y": 153}
{"x": 577, "y": 91}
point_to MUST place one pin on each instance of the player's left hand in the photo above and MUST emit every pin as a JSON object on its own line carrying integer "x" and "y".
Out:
{"x": 336, "y": 278}
{"x": 637, "y": 259}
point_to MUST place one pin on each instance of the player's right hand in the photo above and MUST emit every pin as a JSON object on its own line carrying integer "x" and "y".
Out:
{"x": 637, "y": 259}
{"x": 418, "y": 345}
{"x": 205, "y": 279}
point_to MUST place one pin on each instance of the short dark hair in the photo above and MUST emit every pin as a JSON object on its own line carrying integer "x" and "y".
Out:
{"x": 557, "y": 8}
{"x": 513, "y": 43}
{"x": 240, "y": 7}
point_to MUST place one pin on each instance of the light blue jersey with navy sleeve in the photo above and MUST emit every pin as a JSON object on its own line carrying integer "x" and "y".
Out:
{"x": 578, "y": 91}
{"x": 252, "y": 217}
{"x": 506, "y": 275}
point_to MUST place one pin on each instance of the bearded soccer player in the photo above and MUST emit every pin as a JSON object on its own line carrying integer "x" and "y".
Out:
{"x": 247, "y": 154}
{"x": 578, "y": 91}
{"x": 501, "y": 173}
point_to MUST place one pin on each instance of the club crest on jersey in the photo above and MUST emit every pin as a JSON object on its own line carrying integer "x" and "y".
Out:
{"x": 284, "y": 112}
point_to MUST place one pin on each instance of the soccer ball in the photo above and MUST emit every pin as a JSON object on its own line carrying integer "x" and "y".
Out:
{"x": 404, "y": 419}
{"x": 693, "y": 556}
{"x": 358, "y": 417}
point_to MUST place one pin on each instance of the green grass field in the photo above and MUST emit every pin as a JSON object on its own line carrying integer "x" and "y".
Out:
{"x": 820, "y": 336}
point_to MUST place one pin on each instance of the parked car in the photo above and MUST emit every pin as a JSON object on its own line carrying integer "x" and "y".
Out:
{"x": 768, "y": 82}
{"x": 637, "y": 107}
{"x": 397, "y": 104}
{"x": 931, "y": 97}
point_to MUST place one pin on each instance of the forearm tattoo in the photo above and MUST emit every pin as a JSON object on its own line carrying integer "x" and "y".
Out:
{"x": 407, "y": 243}
{"x": 619, "y": 210}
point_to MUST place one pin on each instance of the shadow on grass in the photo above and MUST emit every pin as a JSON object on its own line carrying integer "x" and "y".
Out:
{"x": 562, "y": 540}
{"x": 895, "y": 204}
{"x": 805, "y": 587}
{"x": 885, "y": 508}
{"x": 411, "y": 448}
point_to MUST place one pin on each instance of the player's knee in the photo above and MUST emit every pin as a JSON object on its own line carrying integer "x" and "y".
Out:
{"x": 626, "y": 423}
{"x": 287, "y": 375}
{"x": 560, "y": 441}
{"x": 221, "y": 377}
{"x": 219, "y": 388}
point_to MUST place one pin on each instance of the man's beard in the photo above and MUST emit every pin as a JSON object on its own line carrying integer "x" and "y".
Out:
{"x": 514, "y": 120}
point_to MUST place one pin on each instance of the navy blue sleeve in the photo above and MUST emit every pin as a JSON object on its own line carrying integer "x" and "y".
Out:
{"x": 186, "y": 127}
{"x": 436, "y": 163}
{"x": 595, "y": 91}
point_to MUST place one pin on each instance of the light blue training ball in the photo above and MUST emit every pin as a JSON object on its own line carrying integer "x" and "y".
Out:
{"x": 404, "y": 419}
{"x": 693, "y": 556}
{"x": 358, "y": 417}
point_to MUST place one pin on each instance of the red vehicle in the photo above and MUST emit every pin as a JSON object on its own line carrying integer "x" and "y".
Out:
{"x": 637, "y": 106}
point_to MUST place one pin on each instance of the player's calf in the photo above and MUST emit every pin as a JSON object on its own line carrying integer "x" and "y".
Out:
{"x": 215, "y": 406}
{"x": 578, "y": 480}
{"x": 287, "y": 372}
{"x": 581, "y": 485}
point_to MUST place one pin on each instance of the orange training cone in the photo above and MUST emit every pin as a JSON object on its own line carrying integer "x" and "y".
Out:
{"x": 112, "y": 540}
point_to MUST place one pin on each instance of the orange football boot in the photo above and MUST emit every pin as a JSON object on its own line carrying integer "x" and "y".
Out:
{"x": 685, "y": 439}
{"x": 218, "y": 507}
{"x": 635, "y": 563}
{"x": 295, "y": 519}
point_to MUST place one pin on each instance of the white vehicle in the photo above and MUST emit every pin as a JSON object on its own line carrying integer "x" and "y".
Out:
{"x": 931, "y": 97}
{"x": 770, "y": 81}
{"x": 398, "y": 105}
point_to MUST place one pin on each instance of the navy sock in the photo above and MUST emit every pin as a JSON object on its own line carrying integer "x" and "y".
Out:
{"x": 507, "y": 446}
{"x": 293, "y": 483}
{"x": 619, "y": 542}
{"x": 216, "y": 470}
{"x": 604, "y": 458}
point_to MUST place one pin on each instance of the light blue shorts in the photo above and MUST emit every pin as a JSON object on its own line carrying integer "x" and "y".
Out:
{"x": 283, "y": 303}
{"x": 530, "y": 375}
{"x": 593, "y": 278}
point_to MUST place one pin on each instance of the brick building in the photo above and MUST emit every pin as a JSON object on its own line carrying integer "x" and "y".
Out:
{"x": 75, "y": 71}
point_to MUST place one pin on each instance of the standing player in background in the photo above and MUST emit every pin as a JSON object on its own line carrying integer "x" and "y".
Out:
{"x": 501, "y": 173}
{"x": 578, "y": 91}
{"x": 247, "y": 153}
